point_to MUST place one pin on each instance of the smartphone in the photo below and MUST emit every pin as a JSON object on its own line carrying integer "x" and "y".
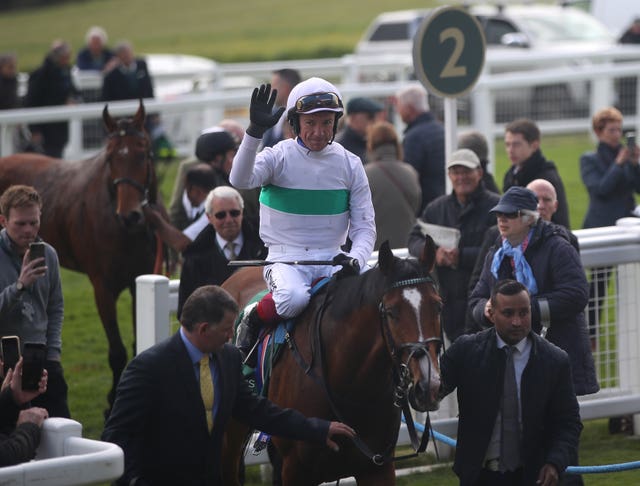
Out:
{"x": 36, "y": 250}
{"x": 631, "y": 140}
{"x": 33, "y": 358}
{"x": 10, "y": 352}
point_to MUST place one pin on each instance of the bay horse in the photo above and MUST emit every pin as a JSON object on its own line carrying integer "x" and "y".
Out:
{"x": 92, "y": 216}
{"x": 353, "y": 353}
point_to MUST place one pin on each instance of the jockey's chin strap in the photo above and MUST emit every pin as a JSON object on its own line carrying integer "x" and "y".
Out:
{"x": 401, "y": 373}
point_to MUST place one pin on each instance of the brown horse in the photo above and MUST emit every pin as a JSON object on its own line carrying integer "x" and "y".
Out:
{"x": 92, "y": 215}
{"x": 358, "y": 346}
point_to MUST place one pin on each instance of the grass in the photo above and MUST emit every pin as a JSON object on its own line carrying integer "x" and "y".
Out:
{"x": 228, "y": 32}
{"x": 250, "y": 30}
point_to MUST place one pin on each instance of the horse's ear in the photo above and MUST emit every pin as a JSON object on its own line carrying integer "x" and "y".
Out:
{"x": 138, "y": 119}
{"x": 385, "y": 258}
{"x": 428, "y": 255}
{"x": 109, "y": 123}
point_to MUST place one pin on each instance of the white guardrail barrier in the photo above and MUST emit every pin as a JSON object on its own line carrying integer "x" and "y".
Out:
{"x": 615, "y": 246}
{"x": 64, "y": 458}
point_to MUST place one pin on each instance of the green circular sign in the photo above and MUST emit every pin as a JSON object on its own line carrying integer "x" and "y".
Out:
{"x": 448, "y": 52}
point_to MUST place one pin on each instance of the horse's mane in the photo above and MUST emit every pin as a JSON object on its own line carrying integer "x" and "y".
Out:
{"x": 349, "y": 294}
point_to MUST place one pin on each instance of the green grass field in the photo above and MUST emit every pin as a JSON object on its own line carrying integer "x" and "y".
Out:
{"x": 228, "y": 32}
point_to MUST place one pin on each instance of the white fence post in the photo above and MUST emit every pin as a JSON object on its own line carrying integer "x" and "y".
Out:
{"x": 628, "y": 334}
{"x": 152, "y": 310}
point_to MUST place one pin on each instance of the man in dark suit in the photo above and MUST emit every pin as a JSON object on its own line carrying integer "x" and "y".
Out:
{"x": 129, "y": 79}
{"x": 159, "y": 417}
{"x": 205, "y": 259}
{"x": 546, "y": 419}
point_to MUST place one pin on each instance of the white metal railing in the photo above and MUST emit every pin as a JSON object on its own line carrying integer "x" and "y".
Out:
{"x": 617, "y": 246}
{"x": 64, "y": 458}
{"x": 227, "y": 94}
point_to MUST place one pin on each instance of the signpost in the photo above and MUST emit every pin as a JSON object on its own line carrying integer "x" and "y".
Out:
{"x": 448, "y": 57}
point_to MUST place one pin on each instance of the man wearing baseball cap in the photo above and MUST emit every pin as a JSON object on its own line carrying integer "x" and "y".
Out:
{"x": 540, "y": 256}
{"x": 361, "y": 113}
{"x": 467, "y": 209}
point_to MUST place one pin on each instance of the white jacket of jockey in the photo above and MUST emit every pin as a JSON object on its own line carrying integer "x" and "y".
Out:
{"x": 309, "y": 199}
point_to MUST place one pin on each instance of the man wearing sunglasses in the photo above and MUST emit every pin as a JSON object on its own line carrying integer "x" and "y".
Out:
{"x": 315, "y": 194}
{"x": 229, "y": 237}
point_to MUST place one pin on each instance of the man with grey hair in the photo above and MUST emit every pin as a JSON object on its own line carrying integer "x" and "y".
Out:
{"x": 228, "y": 237}
{"x": 423, "y": 141}
{"x": 539, "y": 255}
{"x": 95, "y": 56}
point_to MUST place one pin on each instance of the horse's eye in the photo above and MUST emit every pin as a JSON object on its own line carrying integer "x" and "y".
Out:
{"x": 392, "y": 312}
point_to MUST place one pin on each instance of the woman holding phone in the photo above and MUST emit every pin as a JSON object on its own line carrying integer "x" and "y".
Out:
{"x": 611, "y": 175}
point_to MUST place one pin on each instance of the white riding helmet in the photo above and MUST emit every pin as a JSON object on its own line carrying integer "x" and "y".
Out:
{"x": 311, "y": 96}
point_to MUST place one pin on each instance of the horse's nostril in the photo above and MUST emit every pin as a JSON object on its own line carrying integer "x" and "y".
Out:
{"x": 131, "y": 219}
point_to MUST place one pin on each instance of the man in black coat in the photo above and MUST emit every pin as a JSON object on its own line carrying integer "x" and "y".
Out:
{"x": 160, "y": 419}
{"x": 522, "y": 142}
{"x": 423, "y": 141}
{"x": 129, "y": 79}
{"x": 548, "y": 417}
{"x": 205, "y": 260}
{"x": 51, "y": 85}
{"x": 466, "y": 209}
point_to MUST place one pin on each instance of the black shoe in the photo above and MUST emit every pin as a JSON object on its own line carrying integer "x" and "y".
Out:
{"x": 247, "y": 335}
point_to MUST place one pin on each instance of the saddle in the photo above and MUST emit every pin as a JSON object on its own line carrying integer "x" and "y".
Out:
{"x": 270, "y": 343}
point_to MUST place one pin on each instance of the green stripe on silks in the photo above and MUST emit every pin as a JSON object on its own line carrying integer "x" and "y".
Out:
{"x": 313, "y": 202}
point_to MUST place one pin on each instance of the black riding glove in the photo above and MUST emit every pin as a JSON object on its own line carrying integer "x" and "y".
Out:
{"x": 350, "y": 266}
{"x": 261, "y": 110}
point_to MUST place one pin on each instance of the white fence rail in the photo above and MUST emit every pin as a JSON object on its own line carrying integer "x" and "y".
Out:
{"x": 498, "y": 96}
{"x": 64, "y": 458}
{"x": 617, "y": 357}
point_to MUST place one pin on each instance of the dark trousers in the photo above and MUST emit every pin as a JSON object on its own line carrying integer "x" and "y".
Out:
{"x": 54, "y": 400}
{"x": 496, "y": 478}
{"x": 597, "y": 295}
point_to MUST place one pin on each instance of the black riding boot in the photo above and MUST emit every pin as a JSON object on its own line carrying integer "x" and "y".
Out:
{"x": 247, "y": 335}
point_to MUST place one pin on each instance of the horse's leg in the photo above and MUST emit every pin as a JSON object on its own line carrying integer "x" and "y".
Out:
{"x": 380, "y": 476}
{"x": 106, "y": 303}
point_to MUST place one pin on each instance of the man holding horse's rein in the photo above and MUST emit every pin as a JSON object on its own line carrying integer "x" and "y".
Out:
{"x": 31, "y": 303}
{"x": 314, "y": 194}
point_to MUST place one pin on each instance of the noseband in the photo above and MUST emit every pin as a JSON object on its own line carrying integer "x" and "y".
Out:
{"x": 143, "y": 189}
{"x": 416, "y": 349}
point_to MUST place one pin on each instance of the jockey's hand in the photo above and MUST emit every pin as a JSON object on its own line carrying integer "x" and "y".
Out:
{"x": 261, "y": 110}
{"x": 350, "y": 266}
{"x": 338, "y": 428}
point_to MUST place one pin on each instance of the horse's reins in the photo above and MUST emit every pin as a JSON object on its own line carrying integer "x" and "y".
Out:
{"x": 401, "y": 369}
{"x": 401, "y": 375}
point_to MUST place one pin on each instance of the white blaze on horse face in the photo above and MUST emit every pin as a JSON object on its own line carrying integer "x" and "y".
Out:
{"x": 414, "y": 298}
{"x": 427, "y": 368}
{"x": 124, "y": 150}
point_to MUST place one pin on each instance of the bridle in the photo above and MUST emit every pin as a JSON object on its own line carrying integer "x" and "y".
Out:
{"x": 143, "y": 189}
{"x": 401, "y": 371}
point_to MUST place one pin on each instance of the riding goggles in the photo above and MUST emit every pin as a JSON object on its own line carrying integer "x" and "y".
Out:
{"x": 319, "y": 101}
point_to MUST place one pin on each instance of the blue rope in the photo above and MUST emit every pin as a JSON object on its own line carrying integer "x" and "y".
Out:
{"x": 624, "y": 466}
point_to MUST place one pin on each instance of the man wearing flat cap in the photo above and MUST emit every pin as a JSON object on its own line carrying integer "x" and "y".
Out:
{"x": 215, "y": 147}
{"x": 361, "y": 113}
{"x": 466, "y": 209}
{"x": 539, "y": 255}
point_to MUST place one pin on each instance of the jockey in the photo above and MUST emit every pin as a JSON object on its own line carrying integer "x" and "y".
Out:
{"x": 314, "y": 194}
